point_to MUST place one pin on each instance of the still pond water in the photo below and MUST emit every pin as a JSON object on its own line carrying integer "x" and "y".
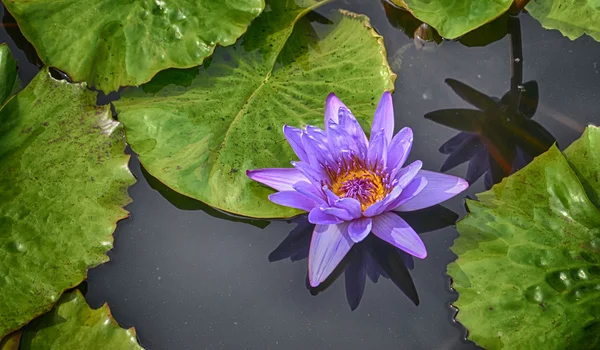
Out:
{"x": 189, "y": 277}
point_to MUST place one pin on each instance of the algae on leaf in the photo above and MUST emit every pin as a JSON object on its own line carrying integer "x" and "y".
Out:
{"x": 528, "y": 266}
{"x": 572, "y": 18}
{"x": 64, "y": 183}
{"x": 73, "y": 325}
{"x": 454, "y": 18}
{"x": 8, "y": 73}
{"x": 113, "y": 43}
{"x": 199, "y": 139}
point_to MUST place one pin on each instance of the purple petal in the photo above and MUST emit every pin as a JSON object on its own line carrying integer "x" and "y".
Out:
{"x": 317, "y": 134}
{"x": 340, "y": 213}
{"x": 293, "y": 199}
{"x": 399, "y": 149}
{"x": 294, "y": 138}
{"x": 313, "y": 174}
{"x": 359, "y": 229}
{"x": 381, "y": 206}
{"x": 332, "y": 198}
{"x": 351, "y": 205}
{"x": 281, "y": 179}
{"x": 340, "y": 142}
{"x": 328, "y": 246}
{"x": 394, "y": 230}
{"x": 440, "y": 187}
{"x": 407, "y": 174}
{"x": 307, "y": 189}
{"x": 332, "y": 106}
{"x": 377, "y": 154}
{"x": 319, "y": 217}
{"x": 316, "y": 151}
{"x": 384, "y": 117}
{"x": 409, "y": 192}
{"x": 351, "y": 126}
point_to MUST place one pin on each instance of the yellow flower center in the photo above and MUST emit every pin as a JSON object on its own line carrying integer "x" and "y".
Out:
{"x": 363, "y": 185}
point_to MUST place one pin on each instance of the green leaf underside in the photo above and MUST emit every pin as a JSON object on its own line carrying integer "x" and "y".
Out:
{"x": 454, "y": 18}
{"x": 73, "y": 325}
{"x": 572, "y": 18}
{"x": 63, "y": 182}
{"x": 528, "y": 268}
{"x": 199, "y": 139}
{"x": 8, "y": 73}
{"x": 113, "y": 43}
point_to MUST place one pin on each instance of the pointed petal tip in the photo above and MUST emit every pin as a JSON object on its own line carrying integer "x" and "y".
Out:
{"x": 421, "y": 255}
{"x": 408, "y": 130}
{"x": 312, "y": 282}
{"x": 462, "y": 185}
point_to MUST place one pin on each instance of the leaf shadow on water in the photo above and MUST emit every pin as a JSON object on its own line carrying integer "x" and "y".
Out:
{"x": 372, "y": 258}
{"x": 499, "y": 137}
{"x": 186, "y": 203}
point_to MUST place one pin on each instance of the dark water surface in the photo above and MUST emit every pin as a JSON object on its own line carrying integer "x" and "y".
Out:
{"x": 189, "y": 278}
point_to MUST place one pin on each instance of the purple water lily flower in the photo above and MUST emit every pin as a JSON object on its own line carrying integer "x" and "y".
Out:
{"x": 350, "y": 184}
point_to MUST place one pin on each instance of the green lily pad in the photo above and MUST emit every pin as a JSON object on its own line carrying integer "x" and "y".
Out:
{"x": 113, "y": 43}
{"x": 528, "y": 266}
{"x": 73, "y": 325}
{"x": 454, "y": 18}
{"x": 64, "y": 183}
{"x": 572, "y": 17}
{"x": 199, "y": 138}
{"x": 8, "y": 73}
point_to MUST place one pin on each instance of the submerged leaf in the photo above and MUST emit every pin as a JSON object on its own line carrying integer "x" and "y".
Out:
{"x": 8, "y": 73}
{"x": 572, "y": 17}
{"x": 528, "y": 265}
{"x": 113, "y": 43}
{"x": 73, "y": 325}
{"x": 455, "y": 18}
{"x": 200, "y": 139}
{"x": 63, "y": 181}
{"x": 11, "y": 341}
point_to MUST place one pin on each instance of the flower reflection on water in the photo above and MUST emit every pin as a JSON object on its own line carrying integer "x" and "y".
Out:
{"x": 351, "y": 186}
{"x": 372, "y": 258}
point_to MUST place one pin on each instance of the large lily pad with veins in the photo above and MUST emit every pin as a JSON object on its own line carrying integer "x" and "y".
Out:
{"x": 63, "y": 185}
{"x": 73, "y": 325}
{"x": 454, "y": 18}
{"x": 200, "y": 136}
{"x": 572, "y": 17}
{"x": 113, "y": 43}
{"x": 528, "y": 267}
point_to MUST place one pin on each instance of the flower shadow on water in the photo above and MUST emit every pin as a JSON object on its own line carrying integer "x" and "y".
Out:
{"x": 495, "y": 141}
{"x": 500, "y": 136}
{"x": 372, "y": 258}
